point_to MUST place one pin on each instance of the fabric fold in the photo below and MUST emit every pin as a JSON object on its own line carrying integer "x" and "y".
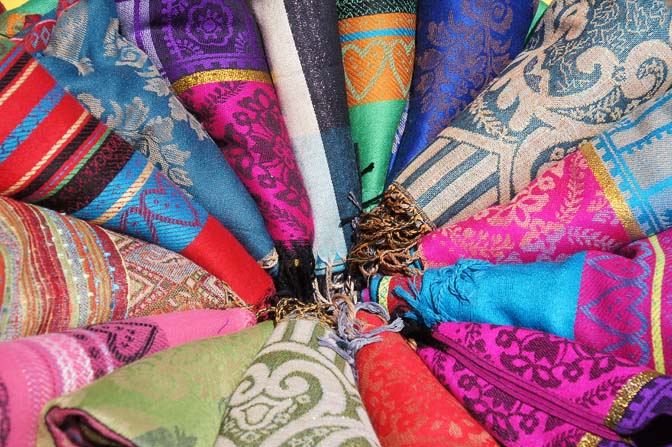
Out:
{"x": 173, "y": 398}
{"x": 37, "y": 369}
{"x": 55, "y": 154}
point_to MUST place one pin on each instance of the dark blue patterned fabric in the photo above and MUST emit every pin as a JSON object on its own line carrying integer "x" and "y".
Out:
{"x": 460, "y": 47}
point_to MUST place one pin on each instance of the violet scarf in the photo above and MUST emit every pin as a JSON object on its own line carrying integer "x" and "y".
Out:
{"x": 529, "y": 388}
{"x": 212, "y": 54}
{"x": 35, "y": 370}
{"x": 55, "y": 154}
{"x": 586, "y": 66}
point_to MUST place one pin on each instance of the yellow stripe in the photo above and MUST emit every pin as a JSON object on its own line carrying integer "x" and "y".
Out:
{"x": 612, "y": 192}
{"x": 56, "y": 147}
{"x": 656, "y": 292}
{"x": 228, "y": 74}
{"x": 126, "y": 196}
{"x": 383, "y": 290}
{"x": 27, "y": 72}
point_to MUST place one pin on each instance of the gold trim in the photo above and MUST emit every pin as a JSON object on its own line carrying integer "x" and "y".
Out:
{"x": 612, "y": 192}
{"x": 625, "y": 395}
{"x": 656, "y": 293}
{"x": 225, "y": 74}
{"x": 383, "y": 291}
{"x": 589, "y": 440}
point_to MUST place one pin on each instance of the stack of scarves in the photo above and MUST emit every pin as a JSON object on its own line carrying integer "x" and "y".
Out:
{"x": 213, "y": 56}
{"x": 56, "y": 154}
{"x": 35, "y": 370}
{"x": 586, "y": 66}
{"x": 378, "y": 43}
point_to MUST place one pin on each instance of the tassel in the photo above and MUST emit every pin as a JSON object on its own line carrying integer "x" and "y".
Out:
{"x": 296, "y": 271}
{"x": 386, "y": 236}
{"x": 430, "y": 303}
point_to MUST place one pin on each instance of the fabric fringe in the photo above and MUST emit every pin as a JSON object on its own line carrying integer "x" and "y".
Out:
{"x": 296, "y": 270}
{"x": 387, "y": 235}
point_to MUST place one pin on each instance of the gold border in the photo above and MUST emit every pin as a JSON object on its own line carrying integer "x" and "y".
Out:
{"x": 225, "y": 74}
{"x": 625, "y": 395}
{"x": 383, "y": 291}
{"x": 589, "y": 440}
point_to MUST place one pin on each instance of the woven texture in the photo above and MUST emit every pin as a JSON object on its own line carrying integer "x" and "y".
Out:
{"x": 174, "y": 398}
{"x": 37, "y": 369}
{"x": 55, "y": 154}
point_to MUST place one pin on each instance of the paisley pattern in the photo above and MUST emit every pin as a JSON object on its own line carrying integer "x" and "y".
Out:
{"x": 296, "y": 393}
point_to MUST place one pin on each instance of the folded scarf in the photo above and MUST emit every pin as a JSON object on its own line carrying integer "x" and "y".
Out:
{"x": 586, "y": 66}
{"x": 212, "y": 54}
{"x": 55, "y": 154}
{"x": 378, "y": 42}
{"x": 598, "y": 198}
{"x": 612, "y": 302}
{"x": 174, "y": 398}
{"x": 61, "y": 273}
{"x": 302, "y": 46}
{"x": 296, "y": 393}
{"x": 529, "y": 388}
{"x": 119, "y": 85}
{"x": 14, "y": 20}
{"x": 415, "y": 413}
{"x": 35, "y": 370}
{"x": 461, "y": 47}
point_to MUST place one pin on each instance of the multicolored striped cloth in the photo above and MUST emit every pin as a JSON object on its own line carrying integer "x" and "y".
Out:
{"x": 55, "y": 154}
{"x": 35, "y": 370}
{"x": 213, "y": 55}
{"x": 378, "y": 44}
{"x": 585, "y": 67}
{"x": 302, "y": 46}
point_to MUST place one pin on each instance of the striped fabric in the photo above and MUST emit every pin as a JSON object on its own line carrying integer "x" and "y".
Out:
{"x": 55, "y": 154}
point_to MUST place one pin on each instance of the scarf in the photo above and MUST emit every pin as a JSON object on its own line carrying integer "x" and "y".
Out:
{"x": 296, "y": 393}
{"x": 585, "y": 67}
{"x": 35, "y": 370}
{"x": 378, "y": 42}
{"x": 462, "y": 46}
{"x": 61, "y": 273}
{"x": 598, "y": 198}
{"x": 119, "y": 85}
{"x": 611, "y": 302}
{"x": 302, "y": 46}
{"x": 55, "y": 154}
{"x": 212, "y": 54}
{"x": 420, "y": 415}
{"x": 174, "y": 398}
{"x": 529, "y": 388}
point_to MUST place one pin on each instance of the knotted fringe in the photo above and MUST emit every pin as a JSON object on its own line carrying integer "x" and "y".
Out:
{"x": 332, "y": 284}
{"x": 350, "y": 336}
{"x": 431, "y": 303}
{"x": 296, "y": 270}
{"x": 387, "y": 234}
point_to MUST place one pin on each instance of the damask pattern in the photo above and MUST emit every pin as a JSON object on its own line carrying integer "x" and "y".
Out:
{"x": 296, "y": 393}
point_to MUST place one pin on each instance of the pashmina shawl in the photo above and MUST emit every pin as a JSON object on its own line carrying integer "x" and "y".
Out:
{"x": 213, "y": 55}
{"x": 529, "y": 388}
{"x": 174, "y": 398}
{"x": 35, "y": 370}
{"x": 296, "y": 393}
{"x": 410, "y": 413}
{"x": 302, "y": 46}
{"x": 55, "y": 154}
{"x": 119, "y": 85}
{"x": 587, "y": 65}
{"x": 60, "y": 273}
{"x": 598, "y": 198}
{"x": 461, "y": 47}
{"x": 616, "y": 303}
{"x": 378, "y": 42}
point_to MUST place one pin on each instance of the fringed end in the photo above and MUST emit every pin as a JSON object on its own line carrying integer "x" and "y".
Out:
{"x": 296, "y": 270}
{"x": 386, "y": 235}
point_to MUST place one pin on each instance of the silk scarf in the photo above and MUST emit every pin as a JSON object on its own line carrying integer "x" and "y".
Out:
{"x": 302, "y": 46}
{"x": 119, "y": 85}
{"x": 461, "y": 47}
{"x": 296, "y": 393}
{"x": 586, "y": 66}
{"x": 61, "y": 273}
{"x": 174, "y": 398}
{"x": 55, "y": 154}
{"x": 378, "y": 43}
{"x": 213, "y": 55}
{"x": 37, "y": 369}
{"x": 531, "y": 388}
